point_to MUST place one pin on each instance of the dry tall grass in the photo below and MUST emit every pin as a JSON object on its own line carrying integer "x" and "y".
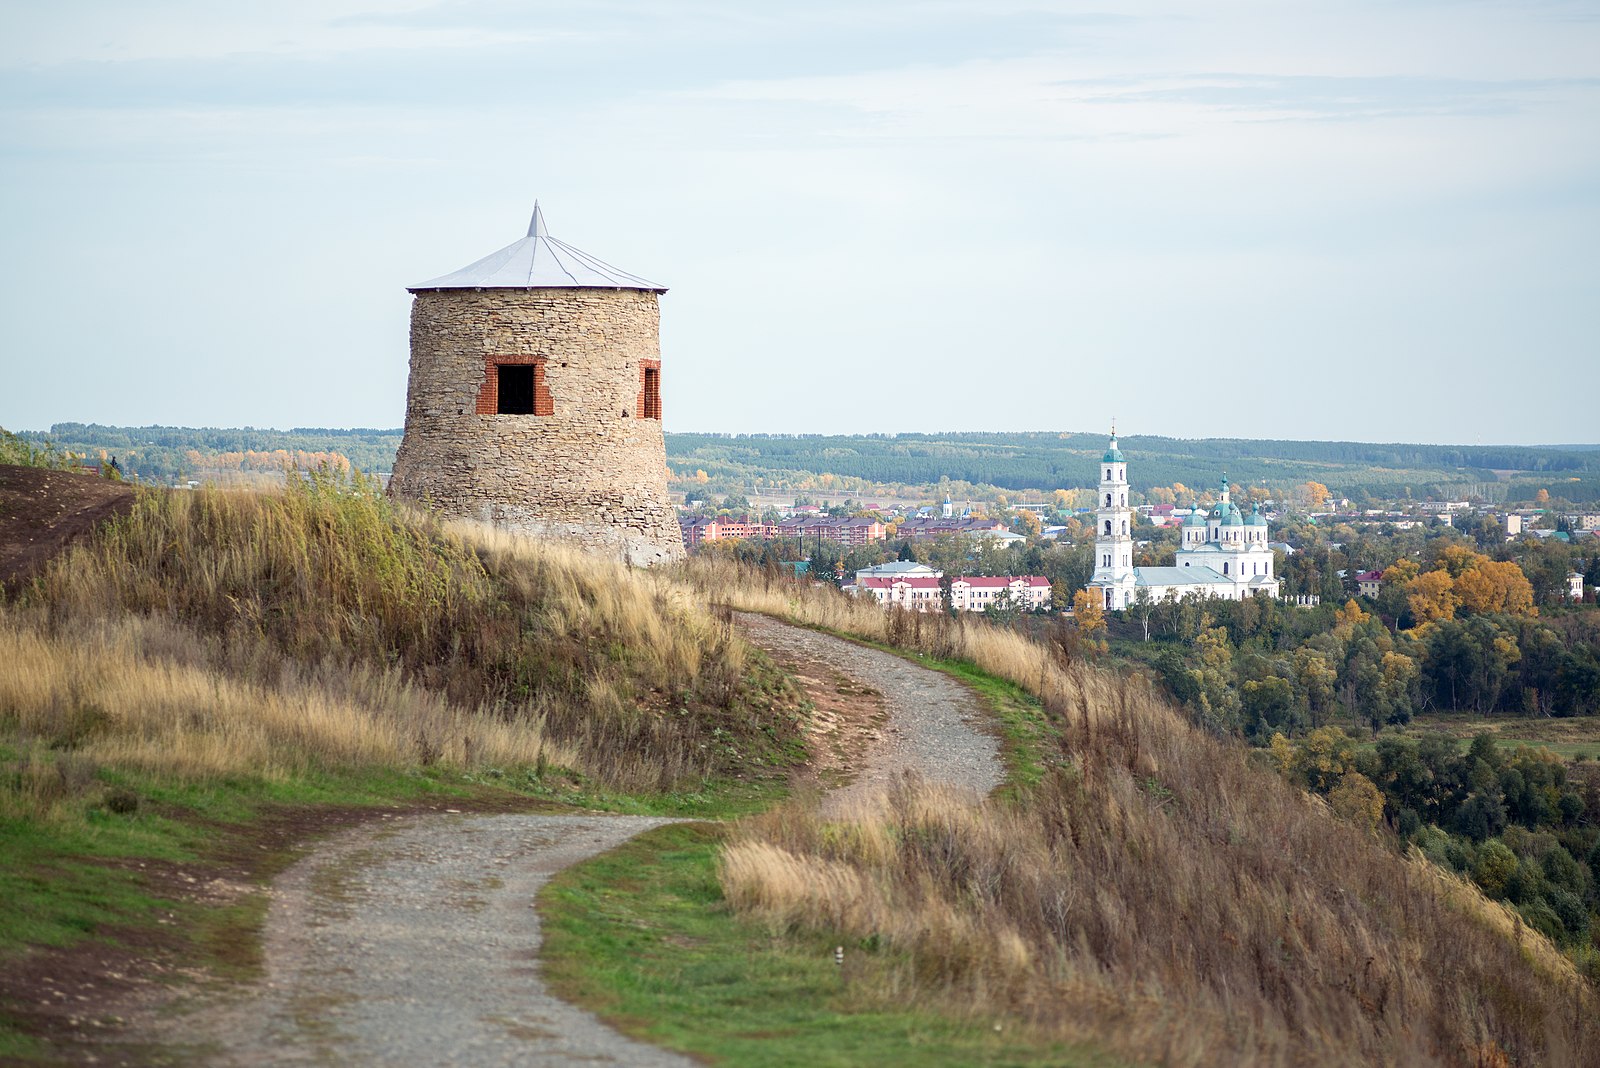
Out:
{"x": 129, "y": 695}
{"x": 263, "y": 633}
{"x": 1158, "y": 893}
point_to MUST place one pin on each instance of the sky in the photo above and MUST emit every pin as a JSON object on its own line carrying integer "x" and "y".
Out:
{"x": 1201, "y": 218}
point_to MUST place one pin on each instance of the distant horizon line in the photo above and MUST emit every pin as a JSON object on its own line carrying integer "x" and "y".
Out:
{"x": 1574, "y": 446}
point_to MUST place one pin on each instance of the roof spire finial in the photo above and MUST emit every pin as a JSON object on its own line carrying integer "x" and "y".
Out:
{"x": 536, "y": 224}
{"x": 1113, "y": 426}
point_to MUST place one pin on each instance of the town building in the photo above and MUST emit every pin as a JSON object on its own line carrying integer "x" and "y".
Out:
{"x": 1027, "y": 592}
{"x": 851, "y": 531}
{"x": 918, "y": 592}
{"x": 1222, "y": 552}
{"x": 696, "y": 529}
{"x": 534, "y": 400}
{"x": 1575, "y": 585}
{"x": 916, "y": 527}
{"x": 915, "y": 593}
{"x": 1369, "y": 583}
{"x": 899, "y": 569}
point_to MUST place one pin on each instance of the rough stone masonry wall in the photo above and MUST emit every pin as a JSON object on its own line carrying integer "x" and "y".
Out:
{"x": 593, "y": 471}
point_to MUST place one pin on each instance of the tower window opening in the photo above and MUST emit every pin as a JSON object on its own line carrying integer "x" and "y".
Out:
{"x": 1108, "y": 526}
{"x": 650, "y": 408}
{"x": 516, "y": 390}
{"x": 1108, "y": 500}
{"x": 515, "y": 385}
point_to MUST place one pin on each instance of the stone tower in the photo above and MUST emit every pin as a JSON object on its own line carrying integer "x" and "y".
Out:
{"x": 535, "y": 400}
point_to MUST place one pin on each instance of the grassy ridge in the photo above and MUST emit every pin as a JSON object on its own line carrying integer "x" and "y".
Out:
{"x": 1155, "y": 894}
{"x": 276, "y": 632}
{"x": 642, "y": 935}
{"x": 215, "y": 660}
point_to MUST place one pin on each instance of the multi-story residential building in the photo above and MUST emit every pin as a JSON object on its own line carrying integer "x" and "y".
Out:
{"x": 921, "y": 592}
{"x": 934, "y": 526}
{"x": 697, "y": 529}
{"x": 1369, "y": 583}
{"x": 915, "y": 593}
{"x": 855, "y": 530}
{"x": 1028, "y": 592}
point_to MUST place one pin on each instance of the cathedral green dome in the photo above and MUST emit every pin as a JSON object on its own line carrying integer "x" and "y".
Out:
{"x": 1234, "y": 518}
{"x": 1195, "y": 518}
{"x": 1257, "y": 519}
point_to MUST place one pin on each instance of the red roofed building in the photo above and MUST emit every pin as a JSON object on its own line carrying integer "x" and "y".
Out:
{"x": 1369, "y": 583}
{"x": 711, "y": 528}
{"x": 857, "y": 530}
{"x": 916, "y": 593}
{"x": 1028, "y": 592}
{"x": 921, "y": 593}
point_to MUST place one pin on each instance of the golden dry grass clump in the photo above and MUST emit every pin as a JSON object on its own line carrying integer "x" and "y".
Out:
{"x": 223, "y": 632}
{"x": 1158, "y": 893}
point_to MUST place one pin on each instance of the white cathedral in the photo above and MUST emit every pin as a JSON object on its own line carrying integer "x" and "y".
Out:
{"x": 1223, "y": 553}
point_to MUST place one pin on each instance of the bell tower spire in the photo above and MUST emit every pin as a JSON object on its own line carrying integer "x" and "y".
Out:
{"x": 1114, "y": 574}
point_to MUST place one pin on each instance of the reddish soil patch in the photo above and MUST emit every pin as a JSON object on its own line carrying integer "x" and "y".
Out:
{"x": 846, "y": 719}
{"x": 42, "y": 512}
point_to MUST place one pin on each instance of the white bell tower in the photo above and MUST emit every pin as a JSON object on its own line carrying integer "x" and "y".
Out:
{"x": 1113, "y": 531}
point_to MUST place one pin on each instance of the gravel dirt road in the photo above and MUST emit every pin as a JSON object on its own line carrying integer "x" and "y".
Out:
{"x": 894, "y": 717}
{"x": 413, "y": 940}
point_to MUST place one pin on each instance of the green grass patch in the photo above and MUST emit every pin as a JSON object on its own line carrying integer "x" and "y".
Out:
{"x": 641, "y": 935}
{"x": 1571, "y": 738}
{"x": 81, "y": 872}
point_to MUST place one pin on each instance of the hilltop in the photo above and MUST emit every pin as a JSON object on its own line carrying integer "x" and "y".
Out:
{"x": 43, "y": 511}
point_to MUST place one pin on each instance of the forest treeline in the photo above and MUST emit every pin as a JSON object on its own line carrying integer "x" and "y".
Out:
{"x": 165, "y": 454}
{"x": 1046, "y": 461}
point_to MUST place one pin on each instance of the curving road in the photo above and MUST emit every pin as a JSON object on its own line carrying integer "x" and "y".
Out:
{"x": 413, "y": 941}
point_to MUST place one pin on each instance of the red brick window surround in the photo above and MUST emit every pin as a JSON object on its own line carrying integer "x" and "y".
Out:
{"x": 649, "y": 389}
{"x": 521, "y": 397}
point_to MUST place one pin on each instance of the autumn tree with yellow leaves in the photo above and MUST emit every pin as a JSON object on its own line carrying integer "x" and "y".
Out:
{"x": 1314, "y": 494}
{"x": 1462, "y": 580}
{"x": 1090, "y": 615}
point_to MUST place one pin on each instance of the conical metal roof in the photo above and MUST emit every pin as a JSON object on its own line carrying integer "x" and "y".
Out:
{"x": 539, "y": 261}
